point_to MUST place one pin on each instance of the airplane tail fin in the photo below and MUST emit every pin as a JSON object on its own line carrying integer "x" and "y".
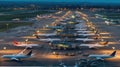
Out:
{"x": 29, "y": 54}
{"x": 96, "y": 32}
{"x": 113, "y": 54}
{"x": 15, "y": 42}
{"x": 37, "y": 36}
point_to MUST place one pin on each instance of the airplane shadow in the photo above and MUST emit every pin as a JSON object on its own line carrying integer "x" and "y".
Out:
{"x": 21, "y": 61}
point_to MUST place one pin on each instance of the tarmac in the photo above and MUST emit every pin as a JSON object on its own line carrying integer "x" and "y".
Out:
{"x": 43, "y": 55}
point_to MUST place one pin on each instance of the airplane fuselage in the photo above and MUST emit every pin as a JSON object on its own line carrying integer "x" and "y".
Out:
{"x": 100, "y": 56}
{"x": 15, "y": 56}
{"x": 92, "y": 45}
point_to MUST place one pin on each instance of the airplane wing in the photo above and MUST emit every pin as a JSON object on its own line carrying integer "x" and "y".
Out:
{"x": 13, "y": 58}
{"x": 99, "y": 58}
{"x": 21, "y": 44}
{"x": 20, "y": 53}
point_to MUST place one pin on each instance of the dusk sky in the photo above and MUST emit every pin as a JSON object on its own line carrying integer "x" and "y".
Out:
{"x": 95, "y": 1}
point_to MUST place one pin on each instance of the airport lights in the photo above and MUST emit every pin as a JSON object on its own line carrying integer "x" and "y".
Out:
{"x": 26, "y": 41}
{"x": 102, "y": 39}
{"x": 37, "y": 31}
{"x": 113, "y": 48}
{"x": 73, "y": 16}
{"x": 33, "y": 35}
{"x": 4, "y": 48}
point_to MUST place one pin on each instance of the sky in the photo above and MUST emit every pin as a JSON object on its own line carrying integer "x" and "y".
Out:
{"x": 93, "y": 1}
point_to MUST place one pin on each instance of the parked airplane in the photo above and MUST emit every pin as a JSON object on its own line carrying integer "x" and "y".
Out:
{"x": 84, "y": 31}
{"x": 66, "y": 39}
{"x": 84, "y": 39}
{"x": 80, "y": 29}
{"x": 86, "y": 34}
{"x": 102, "y": 57}
{"x": 50, "y": 34}
{"x": 54, "y": 27}
{"x": 50, "y": 39}
{"x": 95, "y": 45}
{"x": 15, "y": 43}
{"x": 19, "y": 56}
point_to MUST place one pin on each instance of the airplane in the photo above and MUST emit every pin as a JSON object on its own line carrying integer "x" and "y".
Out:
{"x": 54, "y": 27}
{"x": 80, "y": 29}
{"x": 84, "y": 31}
{"x": 65, "y": 39}
{"x": 50, "y": 39}
{"x": 102, "y": 57}
{"x": 50, "y": 34}
{"x": 15, "y": 43}
{"x": 84, "y": 39}
{"x": 19, "y": 56}
{"x": 95, "y": 45}
{"x": 86, "y": 34}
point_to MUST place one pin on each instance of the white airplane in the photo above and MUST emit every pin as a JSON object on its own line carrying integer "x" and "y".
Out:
{"x": 86, "y": 34}
{"x": 50, "y": 34}
{"x": 19, "y": 56}
{"x": 50, "y": 39}
{"x": 84, "y": 31}
{"x": 80, "y": 29}
{"x": 84, "y": 39}
{"x": 15, "y": 43}
{"x": 102, "y": 57}
{"x": 58, "y": 39}
{"x": 95, "y": 45}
